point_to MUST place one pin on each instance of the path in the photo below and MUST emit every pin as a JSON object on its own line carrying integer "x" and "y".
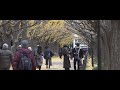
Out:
{"x": 57, "y": 64}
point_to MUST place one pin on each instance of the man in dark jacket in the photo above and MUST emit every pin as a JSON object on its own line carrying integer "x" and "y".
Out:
{"x": 48, "y": 54}
{"x": 29, "y": 54}
{"x": 78, "y": 55}
{"x": 5, "y": 58}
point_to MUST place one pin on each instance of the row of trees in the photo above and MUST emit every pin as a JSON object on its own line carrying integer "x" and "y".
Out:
{"x": 45, "y": 32}
{"x": 52, "y": 31}
{"x": 109, "y": 39}
{"x": 61, "y": 32}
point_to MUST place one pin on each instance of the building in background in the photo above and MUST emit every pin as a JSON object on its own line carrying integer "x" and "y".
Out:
{"x": 79, "y": 40}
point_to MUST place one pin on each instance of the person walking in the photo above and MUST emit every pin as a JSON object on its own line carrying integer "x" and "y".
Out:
{"x": 6, "y": 57}
{"x": 24, "y": 58}
{"x": 60, "y": 52}
{"x": 39, "y": 57}
{"x": 48, "y": 54}
{"x": 66, "y": 61}
{"x": 77, "y": 55}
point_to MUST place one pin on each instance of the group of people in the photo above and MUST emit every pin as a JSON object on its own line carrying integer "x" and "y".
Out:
{"x": 75, "y": 54}
{"x": 25, "y": 57}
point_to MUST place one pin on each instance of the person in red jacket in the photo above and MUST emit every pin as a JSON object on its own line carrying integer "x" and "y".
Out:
{"x": 24, "y": 49}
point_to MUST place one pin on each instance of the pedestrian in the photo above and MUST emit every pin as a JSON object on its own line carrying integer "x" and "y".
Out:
{"x": 48, "y": 54}
{"x": 66, "y": 61}
{"x": 19, "y": 46}
{"x": 39, "y": 57}
{"x": 85, "y": 58}
{"x": 60, "y": 52}
{"x": 77, "y": 55}
{"x": 24, "y": 58}
{"x": 6, "y": 57}
{"x": 81, "y": 56}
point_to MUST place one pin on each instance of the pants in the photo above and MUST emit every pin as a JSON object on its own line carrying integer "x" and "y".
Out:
{"x": 76, "y": 61}
{"x": 49, "y": 62}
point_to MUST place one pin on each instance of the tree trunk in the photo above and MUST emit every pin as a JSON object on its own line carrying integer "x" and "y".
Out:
{"x": 7, "y": 36}
{"x": 115, "y": 46}
{"x": 110, "y": 46}
{"x": 14, "y": 38}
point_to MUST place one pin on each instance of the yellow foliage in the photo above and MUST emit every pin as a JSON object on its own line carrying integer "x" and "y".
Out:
{"x": 54, "y": 24}
{"x": 52, "y": 30}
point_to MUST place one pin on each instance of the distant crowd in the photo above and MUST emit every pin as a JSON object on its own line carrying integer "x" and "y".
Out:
{"x": 77, "y": 54}
{"x": 26, "y": 58}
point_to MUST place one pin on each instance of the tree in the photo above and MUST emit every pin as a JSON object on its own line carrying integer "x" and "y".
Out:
{"x": 51, "y": 31}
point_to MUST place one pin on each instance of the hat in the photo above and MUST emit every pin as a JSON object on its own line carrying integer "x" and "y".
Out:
{"x": 30, "y": 48}
{"x": 19, "y": 46}
{"x": 5, "y": 46}
{"x": 24, "y": 44}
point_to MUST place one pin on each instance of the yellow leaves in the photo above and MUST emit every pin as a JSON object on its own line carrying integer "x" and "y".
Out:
{"x": 54, "y": 24}
{"x": 31, "y": 22}
{"x": 50, "y": 31}
{"x": 67, "y": 40}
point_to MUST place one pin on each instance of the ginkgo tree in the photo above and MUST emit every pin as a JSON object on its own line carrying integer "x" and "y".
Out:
{"x": 50, "y": 31}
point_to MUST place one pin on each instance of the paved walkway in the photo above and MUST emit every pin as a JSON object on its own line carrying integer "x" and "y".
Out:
{"x": 57, "y": 64}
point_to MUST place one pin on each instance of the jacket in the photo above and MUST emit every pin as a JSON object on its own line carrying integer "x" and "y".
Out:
{"x": 5, "y": 59}
{"x": 17, "y": 58}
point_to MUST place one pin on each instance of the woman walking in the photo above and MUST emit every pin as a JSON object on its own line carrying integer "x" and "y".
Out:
{"x": 39, "y": 57}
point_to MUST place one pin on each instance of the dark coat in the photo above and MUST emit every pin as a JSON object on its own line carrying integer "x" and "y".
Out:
{"x": 66, "y": 62}
{"x": 80, "y": 53}
{"x": 5, "y": 59}
{"x": 46, "y": 52}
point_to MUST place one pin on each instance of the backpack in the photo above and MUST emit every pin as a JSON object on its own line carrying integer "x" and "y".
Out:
{"x": 25, "y": 62}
